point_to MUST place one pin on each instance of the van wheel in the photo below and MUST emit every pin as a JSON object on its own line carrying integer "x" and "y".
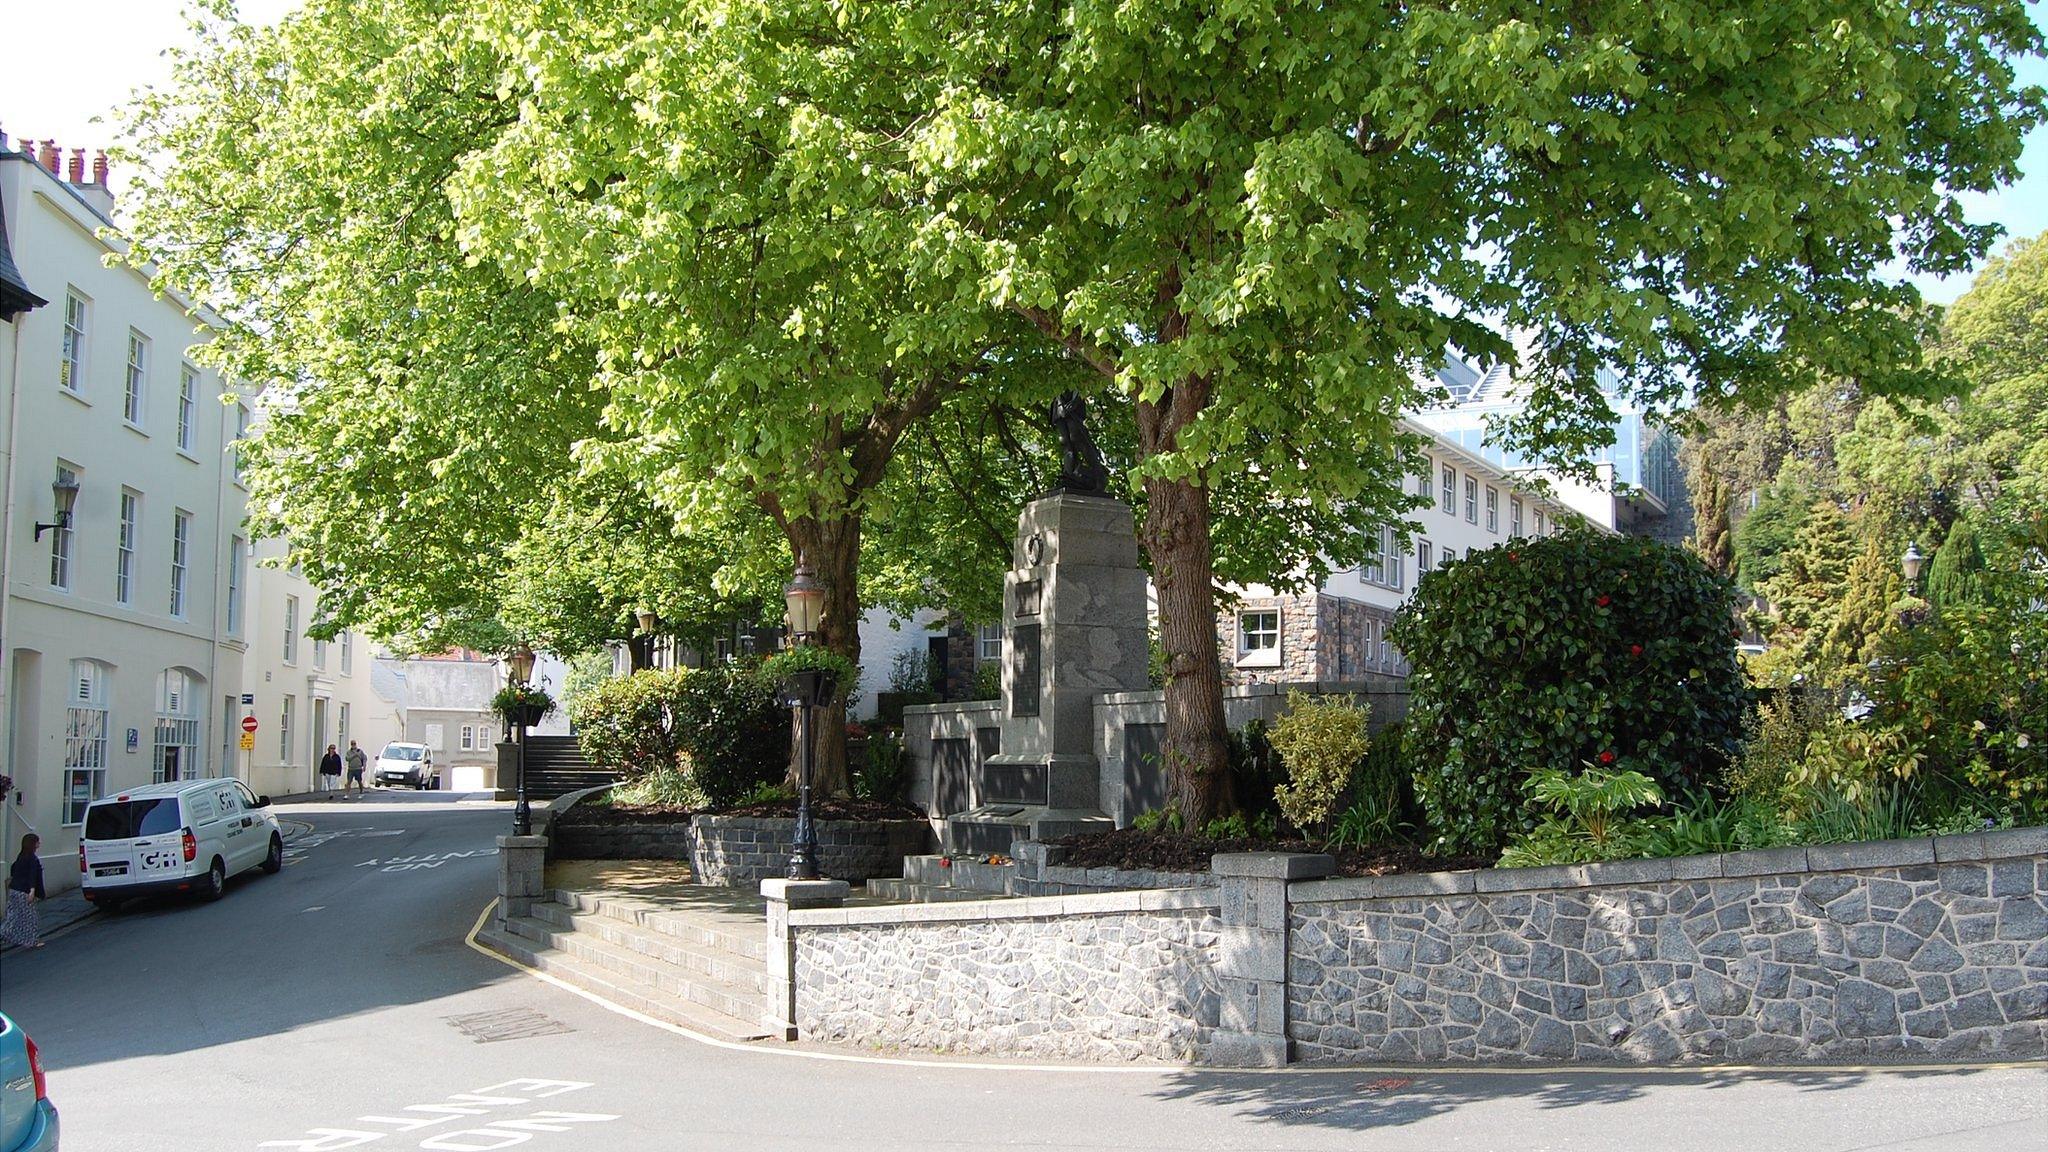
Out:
{"x": 216, "y": 881}
{"x": 274, "y": 863}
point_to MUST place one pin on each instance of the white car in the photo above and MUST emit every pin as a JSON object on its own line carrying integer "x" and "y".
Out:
{"x": 184, "y": 836}
{"x": 404, "y": 763}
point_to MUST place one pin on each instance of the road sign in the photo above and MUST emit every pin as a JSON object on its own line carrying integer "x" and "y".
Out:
{"x": 248, "y": 724}
{"x": 248, "y": 741}
{"x": 248, "y": 697}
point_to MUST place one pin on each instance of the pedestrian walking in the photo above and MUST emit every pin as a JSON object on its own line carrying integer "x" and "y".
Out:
{"x": 330, "y": 769}
{"x": 23, "y": 926}
{"x": 356, "y": 760}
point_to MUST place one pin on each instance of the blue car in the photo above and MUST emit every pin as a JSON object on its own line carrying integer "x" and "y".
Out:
{"x": 28, "y": 1121}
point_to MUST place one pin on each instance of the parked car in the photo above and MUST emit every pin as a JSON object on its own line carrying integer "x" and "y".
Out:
{"x": 408, "y": 764}
{"x": 28, "y": 1121}
{"x": 184, "y": 836}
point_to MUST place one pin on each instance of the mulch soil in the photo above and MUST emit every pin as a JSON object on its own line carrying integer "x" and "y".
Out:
{"x": 1132, "y": 850}
{"x": 840, "y": 809}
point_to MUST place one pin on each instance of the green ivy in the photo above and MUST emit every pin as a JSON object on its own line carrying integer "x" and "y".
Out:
{"x": 1577, "y": 649}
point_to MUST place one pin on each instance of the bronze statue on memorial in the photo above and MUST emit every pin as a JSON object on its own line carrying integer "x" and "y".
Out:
{"x": 1082, "y": 471}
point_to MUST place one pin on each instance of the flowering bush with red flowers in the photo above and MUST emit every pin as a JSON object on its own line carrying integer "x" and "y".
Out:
{"x": 1574, "y": 649}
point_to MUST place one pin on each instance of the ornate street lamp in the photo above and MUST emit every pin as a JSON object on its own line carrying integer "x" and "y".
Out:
{"x": 520, "y": 665}
{"x": 64, "y": 497}
{"x": 1911, "y": 563}
{"x": 804, "y": 692}
{"x": 646, "y": 619}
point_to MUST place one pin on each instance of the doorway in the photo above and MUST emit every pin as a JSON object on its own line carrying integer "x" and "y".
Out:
{"x": 319, "y": 730}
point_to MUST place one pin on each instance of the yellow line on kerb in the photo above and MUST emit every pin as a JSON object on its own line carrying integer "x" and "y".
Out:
{"x": 769, "y": 1048}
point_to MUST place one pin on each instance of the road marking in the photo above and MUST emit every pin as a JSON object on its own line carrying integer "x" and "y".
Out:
{"x": 493, "y": 1133}
{"x": 385, "y": 832}
{"x": 316, "y": 908}
{"x": 424, "y": 860}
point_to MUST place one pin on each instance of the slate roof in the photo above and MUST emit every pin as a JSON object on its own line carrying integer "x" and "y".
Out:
{"x": 15, "y": 298}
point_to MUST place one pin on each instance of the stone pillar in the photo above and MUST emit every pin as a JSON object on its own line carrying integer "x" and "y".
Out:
{"x": 1251, "y": 1031}
{"x": 779, "y": 1016}
{"x": 522, "y": 868}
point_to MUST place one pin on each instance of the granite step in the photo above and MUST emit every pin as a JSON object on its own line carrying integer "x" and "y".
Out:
{"x": 741, "y": 935}
{"x": 958, "y": 872}
{"x": 911, "y": 892}
{"x": 623, "y": 991}
{"x": 728, "y": 999}
{"x": 717, "y": 963}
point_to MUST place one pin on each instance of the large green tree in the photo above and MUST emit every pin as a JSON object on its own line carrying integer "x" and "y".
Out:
{"x": 1257, "y": 221}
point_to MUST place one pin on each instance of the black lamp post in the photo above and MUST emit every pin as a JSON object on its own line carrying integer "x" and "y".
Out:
{"x": 804, "y": 691}
{"x": 646, "y": 618}
{"x": 521, "y": 667}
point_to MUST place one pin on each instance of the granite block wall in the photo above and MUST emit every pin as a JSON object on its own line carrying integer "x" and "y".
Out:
{"x": 1131, "y": 979}
{"x": 1939, "y": 959}
{"x": 742, "y": 851}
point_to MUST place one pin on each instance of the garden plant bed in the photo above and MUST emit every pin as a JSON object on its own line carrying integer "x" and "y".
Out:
{"x": 1132, "y": 850}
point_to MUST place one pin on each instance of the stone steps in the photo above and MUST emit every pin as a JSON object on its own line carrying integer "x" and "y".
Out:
{"x": 911, "y": 892}
{"x": 964, "y": 873}
{"x": 741, "y": 936}
{"x": 626, "y": 993}
{"x": 716, "y": 963}
{"x": 619, "y": 964}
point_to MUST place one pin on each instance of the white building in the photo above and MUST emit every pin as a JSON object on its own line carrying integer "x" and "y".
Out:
{"x": 122, "y": 625}
{"x": 304, "y": 693}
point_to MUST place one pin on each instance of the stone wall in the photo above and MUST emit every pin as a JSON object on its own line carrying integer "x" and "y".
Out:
{"x": 1040, "y": 871}
{"x": 1897, "y": 951}
{"x": 1125, "y": 976}
{"x": 741, "y": 851}
{"x": 650, "y": 840}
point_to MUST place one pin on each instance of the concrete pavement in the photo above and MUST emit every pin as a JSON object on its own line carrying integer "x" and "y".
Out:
{"x": 336, "y": 1006}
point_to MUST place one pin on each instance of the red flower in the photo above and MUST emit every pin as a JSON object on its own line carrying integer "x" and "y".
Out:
{"x": 1603, "y": 601}
{"x": 1635, "y": 649}
{"x": 1514, "y": 555}
{"x": 945, "y": 862}
{"x": 1607, "y": 757}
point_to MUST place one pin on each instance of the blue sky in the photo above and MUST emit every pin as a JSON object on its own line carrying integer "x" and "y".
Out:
{"x": 2021, "y": 207}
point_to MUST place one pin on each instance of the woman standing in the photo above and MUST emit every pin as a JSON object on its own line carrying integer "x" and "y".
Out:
{"x": 23, "y": 926}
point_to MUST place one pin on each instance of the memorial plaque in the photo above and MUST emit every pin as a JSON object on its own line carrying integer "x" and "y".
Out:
{"x": 1028, "y": 597}
{"x": 1025, "y": 672}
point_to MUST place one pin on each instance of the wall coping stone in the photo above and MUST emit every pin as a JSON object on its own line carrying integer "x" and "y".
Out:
{"x": 2000, "y": 844}
{"x": 1016, "y": 908}
{"x": 955, "y": 706}
{"x": 1869, "y": 854}
{"x": 1764, "y": 861}
{"x": 1273, "y": 865}
{"x": 522, "y": 841}
{"x": 805, "y": 893}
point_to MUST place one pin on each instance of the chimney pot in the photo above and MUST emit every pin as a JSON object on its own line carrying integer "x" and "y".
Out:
{"x": 99, "y": 168}
{"x": 28, "y": 148}
{"x": 77, "y": 175}
{"x": 49, "y": 158}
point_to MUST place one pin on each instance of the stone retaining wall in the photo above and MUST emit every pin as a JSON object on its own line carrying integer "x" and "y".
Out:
{"x": 1124, "y": 976}
{"x": 649, "y": 840}
{"x": 1905, "y": 950}
{"x": 741, "y": 851}
{"x": 1039, "y": 872}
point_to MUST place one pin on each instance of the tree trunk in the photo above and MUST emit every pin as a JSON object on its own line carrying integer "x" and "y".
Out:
{"x": 833, "y": 549}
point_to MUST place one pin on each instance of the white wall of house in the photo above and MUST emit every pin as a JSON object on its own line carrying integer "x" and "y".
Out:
{"x": 117, "y": 659}
{"x": 883, "y": 636}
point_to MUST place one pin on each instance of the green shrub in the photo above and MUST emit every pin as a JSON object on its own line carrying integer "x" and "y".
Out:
{"x": 988, "y": 681}
{"x": 666, "y": 786}
{"x": 1322, "y": 742}
{"x": 1255, "y": 768}
{"x": 845, "y": 675}
{"x": 1572, "y": 649}
{"x": 911, "y": 672}
{"x": 732, "y": 730}
{"x": 1588, "y": 816}
{"x": 880, "y": 775}
{"x": 1157, "y": 820}
{"x": 1374, "y": 810}
{"x": 625, "y": 725}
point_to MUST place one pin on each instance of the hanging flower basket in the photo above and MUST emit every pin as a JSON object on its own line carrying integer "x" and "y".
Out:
{"x": 522, "y": 704}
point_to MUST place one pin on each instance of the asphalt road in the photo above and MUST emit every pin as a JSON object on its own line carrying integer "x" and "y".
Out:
{"x": 323, "y": 1009}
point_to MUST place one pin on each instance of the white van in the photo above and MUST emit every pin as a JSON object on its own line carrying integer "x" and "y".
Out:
{"x": 184, "y": 836}
{"x": 403, "y": 762}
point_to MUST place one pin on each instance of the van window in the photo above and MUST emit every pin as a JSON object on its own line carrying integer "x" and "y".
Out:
{"x": 403, "y": 752}
{"x": 202, "y": 807}
{"x": 127, "y": 819}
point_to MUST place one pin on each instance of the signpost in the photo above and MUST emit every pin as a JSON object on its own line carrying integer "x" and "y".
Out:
{"x": 249, "y": 725}
{"x": 248, "y": 739}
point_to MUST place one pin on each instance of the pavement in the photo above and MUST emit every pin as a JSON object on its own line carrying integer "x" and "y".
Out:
{"x": 336, "y": 1005}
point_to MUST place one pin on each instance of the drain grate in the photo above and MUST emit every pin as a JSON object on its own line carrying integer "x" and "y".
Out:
{"x": 506, "y": 1024}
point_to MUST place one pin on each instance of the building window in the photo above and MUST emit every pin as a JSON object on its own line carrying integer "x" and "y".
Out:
{"x": 341, "y": 736}
{"x": 989, "y": 642}
{"x": 177, "y": 729}
{"x": 1492, "y": 509}
{"x": 1514, "y": 516}
{"x": 1450, "y": 554}
{"x": 188, "y": 404}
{"x": 468, "y": 737}
{"x": 348, "y": 654}
{"x": 132, "y": 398}
{"x": 241, "y": 433}
{"x": 235, "y": 547}
{"x": 71, "y": 370}
{"x": 291, "y": 629}
{"x": 1447, "y": 492}
{"x": 181, "y": 537}
{"x": 319, "y": 654}
{"x": 1471, "y": 500}
{"x": 1424, "y": 559}
{"x": 284, "y": 730}
{"x": 1379, "y": 633}
{"x": 60, "y": 540}
{"x": 85, "y": 739}
{"x": 1258, "y": 636}
{"x": 1383, "y": 565}
{"x": 1539, "y": 521}
{"x": 124, "y": 555}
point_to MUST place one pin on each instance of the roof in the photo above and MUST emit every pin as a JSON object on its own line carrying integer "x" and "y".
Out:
{"x": 15, "y": 297}
{"x": 168, "y": 788}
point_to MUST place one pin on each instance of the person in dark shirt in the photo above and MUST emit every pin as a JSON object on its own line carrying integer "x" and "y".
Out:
{"x": 23, "y": 926}
{"x": 330, "y": 769}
